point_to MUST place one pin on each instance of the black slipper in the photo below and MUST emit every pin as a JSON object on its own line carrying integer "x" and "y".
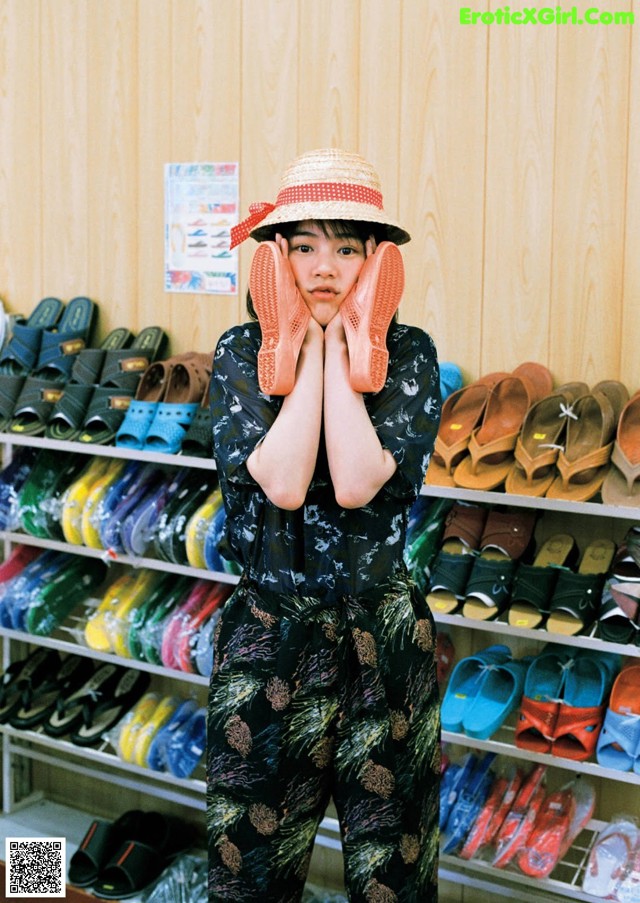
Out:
{"x": 22, "y": 678}
{"x": 98, "y": 846}
{"x": 98, "y": 718}
{"x": 69, "y": 710}
{"x": 74, "y": 671}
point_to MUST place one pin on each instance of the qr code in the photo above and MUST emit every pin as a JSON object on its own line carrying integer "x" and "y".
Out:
{"x": 35, "y": 867}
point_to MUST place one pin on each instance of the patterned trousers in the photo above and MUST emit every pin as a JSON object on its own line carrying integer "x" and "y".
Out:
{"x": 311, "y": 700}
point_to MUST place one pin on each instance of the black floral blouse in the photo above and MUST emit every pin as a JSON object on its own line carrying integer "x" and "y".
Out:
{"x": 321, "y": 549}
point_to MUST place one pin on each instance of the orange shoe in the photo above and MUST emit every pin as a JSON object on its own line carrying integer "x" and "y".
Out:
{"x": 366, "y": 314}
{"x": 283, "y": 318}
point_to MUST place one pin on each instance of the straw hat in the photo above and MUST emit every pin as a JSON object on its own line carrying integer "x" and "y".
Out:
{"x": 322, "y": 184}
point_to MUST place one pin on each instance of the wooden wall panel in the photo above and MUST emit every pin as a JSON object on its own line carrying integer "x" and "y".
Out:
{"x": 21, "y": 283}
{"x": 630, "y": 327}
{"x": 65, "y": 158}
{"x": 519, "y": 196}
{"x": 113, "y": 128}
{"x": 588, "y": 224}
{"x": 442, "y": 160}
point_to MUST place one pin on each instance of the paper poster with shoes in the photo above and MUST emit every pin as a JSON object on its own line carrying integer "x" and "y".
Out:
{"x": 201, "y": 205}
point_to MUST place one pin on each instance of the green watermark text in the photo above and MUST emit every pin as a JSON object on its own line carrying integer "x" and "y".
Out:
{"x": 545, "y": 15}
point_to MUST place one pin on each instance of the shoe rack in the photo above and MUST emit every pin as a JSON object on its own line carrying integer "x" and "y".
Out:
{"x": 566, "y": 879}
{"x": 20, "y": 746}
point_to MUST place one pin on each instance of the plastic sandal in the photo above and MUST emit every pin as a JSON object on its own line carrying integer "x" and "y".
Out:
{"x": 140, "y": 413}
{"x": 618, "y": 744}
{"x": 533, "y": 584}
{"x": 12, "y": 479}
{"x": 198, "y": 440}
{"x": 471, "y": 799}
{"x": 620, "y": 486}
{"x": 460, "y": 539}
{"x": 69, "y": 709}
{"x": 95, "y": 507}
{"x": 152, "y": 633}
{"x": 51, "y": 473}
{"x": 75, "y": 497}
{"x": 69, "y": 412}
{"x": 453, "y": 780}
{"x": 123, "y": 498}
{"x": 283, "y": 318}
{"x": 187, "y": 383}
{"x": 466, "y": 680}
{"x": 34, "y": 406}
{"x": 21, "y": 679}
{"x": 98, "y": 845}
{"x": 197, "y": 597}
{"x": 619, "y": 611}
{"x": 499, "y": 694}
{"x": 157, "y": 754}
{"x": 197, "y": 526}
{"x": 138, "y": 528}
{"x": 582, "y": 710}
{"x": 118, "y": 622}
{"x": 424, "y": 537}
{"x": 162, "y": 714}
{"x": 10, "y": 389}
{"x": 203, "y": 647}
{"x": 70, "y": 586}
{"x": 142, "y": 614}
{"x": 19, "y": 592}
{"x": 97, "y": 630}
{"x": 132, "y": 724}
{"x": 74, "y": 671}
{"x": 506, "y": 537}
{"x": 170, "y": 537}
{"x": 366, "y": 314}
{"x": 188, "y": 637}
{"x": 186, "y": 747}
{"x": 543, "y": 689}
{"x": 518, "y": 823}
{"x": 213, "y": 539}
{"x": 21, "y": 353}
{"x": 60, "y": 346}
{"x": 576, "y": 597}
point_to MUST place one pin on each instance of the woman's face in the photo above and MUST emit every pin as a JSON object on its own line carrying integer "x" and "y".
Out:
{"x": 325, "y": 268}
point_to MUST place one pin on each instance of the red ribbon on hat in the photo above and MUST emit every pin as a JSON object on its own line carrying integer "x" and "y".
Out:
{"x": 296, "y": 194}
{"x": 257, "y": 213}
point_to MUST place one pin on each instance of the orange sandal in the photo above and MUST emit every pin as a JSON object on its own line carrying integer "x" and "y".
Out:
{"x": 283, "y": 318}
{"x": 366, "y": 314}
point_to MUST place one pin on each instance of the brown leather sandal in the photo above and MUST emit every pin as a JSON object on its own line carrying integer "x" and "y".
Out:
{"x": 491, "y": 445}
{"x": 539, "y": 442}
{"x": 584, "y": 463}
{"x": 621, "y": 485}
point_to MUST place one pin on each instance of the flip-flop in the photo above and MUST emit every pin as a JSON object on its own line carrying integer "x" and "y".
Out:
{"x": 49, "y": 470}
{"x": 170, "y": 536}
{"x": 576, "y": 597}
{"x": 157, "y": 753}
{"x": 142, "y": 613}
{"x": 186, "y": 747}
{"x": 461, "y": 413}
{"x": 619, "y": 611}
{"x": 18, "y": 593}
{"x": 213, "y": 539}
{"x": 492, "y": 444}
{"x": 138, "y": 479}
{"x": 203, "y": 651}
{"x": 609, "y": 857}
{"x": 132, "y": 724}
{"x": 584, "y": 462}
{"x": 197, "y": 597}
{"x": 540, "y": 441}
{"x": 469, "y": 802}
{"x": 162, "y": 714}
{"x": 98, "y": 845}
{"x": 197, "y": 526}
{"x": 100, "y": 716}
{"x": 153, "y": 631}
{"x": 493, "y": 813}
{"x": 542, "y": 851}
{"x": 92, "y": 510}
{"x": 21, "y": 353}
{"x": 132, "y": 597}
{"x": 518, "y": 824}
{"x": 70, "y": 586}
{"x": 98, "y": 629}
{"x": 72, "y": 673}
{"x": 75, "y": 497}
{"x": 21, "y": 679}
{"x": 69, "y": 709}
{"x": 69, "y": 412}
{"x": 188, "y": 637}
{"x": 534, "y": 583}
{"x": 12, "y": 479}
{"x": 138, "y": 528}
{"x": 425, "y": 528}
{"x": 61, "y": 345}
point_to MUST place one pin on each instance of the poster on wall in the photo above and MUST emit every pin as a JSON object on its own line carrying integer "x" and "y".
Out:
{"x": 201, "y": 205}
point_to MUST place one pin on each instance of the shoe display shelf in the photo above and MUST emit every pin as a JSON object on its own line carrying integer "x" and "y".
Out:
{"x": 567, "y": 876}
{"x": 23, "y": 746}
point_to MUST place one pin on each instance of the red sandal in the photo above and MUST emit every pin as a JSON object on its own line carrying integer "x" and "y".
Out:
{"x": 520, "y": 819}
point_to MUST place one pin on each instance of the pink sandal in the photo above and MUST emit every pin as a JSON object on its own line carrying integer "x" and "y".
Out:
{"x": 283, "y": 318}
{"x": 366, "y": 314}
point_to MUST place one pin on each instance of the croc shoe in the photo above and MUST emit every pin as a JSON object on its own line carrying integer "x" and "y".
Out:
{"x": 283, "y": 318}
{"x": 174, "y": 414}
{"x": 366, "y": 314}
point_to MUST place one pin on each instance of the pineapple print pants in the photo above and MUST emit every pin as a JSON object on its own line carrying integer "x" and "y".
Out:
{"x": 311, "y": 699}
